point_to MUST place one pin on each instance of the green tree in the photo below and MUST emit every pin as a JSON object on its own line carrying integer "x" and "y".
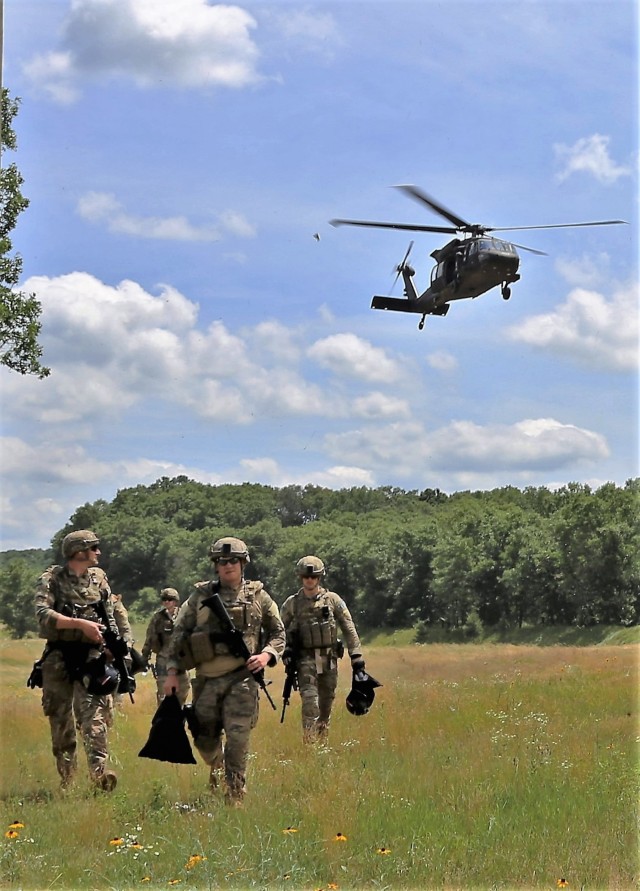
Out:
{"x": 16, "y": 599}
{"x": 19, "y": 312}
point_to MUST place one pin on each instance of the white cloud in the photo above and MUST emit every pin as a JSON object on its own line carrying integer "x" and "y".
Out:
{"x": 351, "y": 355}
{"x": 101, "y": 207}
{"x": 589, "y": 329}
{"x": 585, "y": 271}
{"x": 590, "y": 154}
{"x": 442, "y": 361}
{"x": 190, "y": 43}
{"x": 379, "y": 405}
{"x": 463, "y": 447}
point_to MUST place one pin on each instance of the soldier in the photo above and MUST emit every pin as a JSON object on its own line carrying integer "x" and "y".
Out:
{"x": 157, "y": 641}
{"x": 225, "y": 695}
{"x": 77, "y": 677}
{"x": 312, "y": 618}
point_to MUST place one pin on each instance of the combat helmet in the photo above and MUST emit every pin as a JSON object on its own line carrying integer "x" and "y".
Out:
{"x": 362, "y": 693}
{"x": 229, "y": 547}
{"x": 169, "y": 594}
{"x": 80, "y": 540}
{"x": 100, "y": 677}
{"x": 310, "y": 567}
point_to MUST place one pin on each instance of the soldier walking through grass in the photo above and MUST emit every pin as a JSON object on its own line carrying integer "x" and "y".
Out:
{"x": 313, "y": 617}
{"x": 158, "y": 641}
{"x": 77, "y": 676}
{"x": 225, "y": 689}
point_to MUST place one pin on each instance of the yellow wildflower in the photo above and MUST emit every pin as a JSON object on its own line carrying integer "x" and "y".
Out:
{"x": 116, "y": 841}
{"x": 145, "y": 879}
{"x": 193, "y": 860}
{"x": 16, "y": 825}
{"x": 383, "y": 851}
{"x": 290, "y": 830}
{"x": 173, "y": 882}
{"x": 332, "y": 886}
{"x": 340, "y": 837}
{"x": 11, "y": 833}
{"x": 562, "y": 883}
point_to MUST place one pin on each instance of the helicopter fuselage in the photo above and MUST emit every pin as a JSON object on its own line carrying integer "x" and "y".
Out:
{"x": 465, "y": 268}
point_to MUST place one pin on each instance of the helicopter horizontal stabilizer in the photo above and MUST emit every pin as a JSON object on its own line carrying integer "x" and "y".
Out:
{"x": 397, "y": 304}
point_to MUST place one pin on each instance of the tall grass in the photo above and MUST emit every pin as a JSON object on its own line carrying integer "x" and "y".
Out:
{"x": 485, "y": 766}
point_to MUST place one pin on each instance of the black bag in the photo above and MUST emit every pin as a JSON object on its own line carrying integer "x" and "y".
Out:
{"x": 168, "y": 740}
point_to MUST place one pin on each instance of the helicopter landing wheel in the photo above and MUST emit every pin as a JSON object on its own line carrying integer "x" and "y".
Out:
{"x": 421, "y": 322}
{"x": 506, "y": 292}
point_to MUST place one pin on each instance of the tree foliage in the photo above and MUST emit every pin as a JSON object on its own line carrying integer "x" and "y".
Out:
{"x": 19, "y": 312}
{"x": 502, "y": 558}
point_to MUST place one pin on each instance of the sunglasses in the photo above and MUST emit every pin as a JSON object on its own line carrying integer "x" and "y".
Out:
{"x": 222, "y": 561}
{"x": 94, "y": 548}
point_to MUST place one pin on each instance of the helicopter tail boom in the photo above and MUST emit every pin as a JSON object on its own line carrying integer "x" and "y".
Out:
{"x": 401, "y": 304}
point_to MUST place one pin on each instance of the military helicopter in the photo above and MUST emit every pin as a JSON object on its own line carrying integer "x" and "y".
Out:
{"x": 465, "y": 267}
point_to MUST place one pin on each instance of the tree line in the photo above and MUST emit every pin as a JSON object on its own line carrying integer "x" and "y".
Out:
{"x": 501, "y": 558}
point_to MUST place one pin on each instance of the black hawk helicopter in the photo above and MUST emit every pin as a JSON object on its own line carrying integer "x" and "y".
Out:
{"x": 465, "y": 267}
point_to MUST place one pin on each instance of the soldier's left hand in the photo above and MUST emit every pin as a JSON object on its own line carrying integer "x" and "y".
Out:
{"x": 258, "y": 661}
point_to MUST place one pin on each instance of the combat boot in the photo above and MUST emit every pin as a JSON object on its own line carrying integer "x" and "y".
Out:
{"x": 67, "y": 771}
{"x": 215, "y": 775}
{"x": 105, "y": 781}
{"x": 234, "y": 794}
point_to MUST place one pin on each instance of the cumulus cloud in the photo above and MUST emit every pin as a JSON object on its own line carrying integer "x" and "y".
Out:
{"x": 466, "y": 448}
{"x": 350, "y": 355}
{"x": 589, "y": 329}
{"x": 590, "y": 155}
{"x": 101, "y": 207}
{"x": 379, "y": 405}
{"x": 190, "y": 43}
{"x": 112, "y": 347}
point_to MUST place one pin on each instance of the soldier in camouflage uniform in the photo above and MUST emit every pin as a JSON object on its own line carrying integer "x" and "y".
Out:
{"x": 77, "y": 679}
{"x": 312, "y": 618}
{"x": 225, "y": 695}
{"x": 158, "y": 640}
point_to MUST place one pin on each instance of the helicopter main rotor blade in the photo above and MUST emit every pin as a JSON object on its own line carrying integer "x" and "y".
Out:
{"x": 531, "y": 250}
{"x": 410, "y": 227}
{"x": 554, "y": 226}
{"x": 423, "y": 198}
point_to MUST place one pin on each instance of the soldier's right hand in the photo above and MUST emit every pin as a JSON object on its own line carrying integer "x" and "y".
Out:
{"x": 91, "y": 630}
{"x": 170, "y": 685}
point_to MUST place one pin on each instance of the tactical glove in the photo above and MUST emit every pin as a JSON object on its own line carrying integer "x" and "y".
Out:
{"x": 357, "y": 662}
{"x": 287, "y": 656}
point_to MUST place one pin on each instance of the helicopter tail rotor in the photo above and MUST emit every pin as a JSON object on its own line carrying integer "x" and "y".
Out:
{"x": 403, "y": 265}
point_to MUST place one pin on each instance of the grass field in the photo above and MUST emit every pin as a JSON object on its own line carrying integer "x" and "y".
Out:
{"x": 479, "y": 766}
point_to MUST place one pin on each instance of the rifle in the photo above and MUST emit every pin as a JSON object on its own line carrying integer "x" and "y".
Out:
{"x": 235, "y": 640}
{"x": 290, "y": 683}
{"x": 118, "y": 648}
{"x": 291, "y": 679}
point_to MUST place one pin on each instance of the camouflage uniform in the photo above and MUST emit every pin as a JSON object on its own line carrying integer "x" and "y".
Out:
{"x": 158, "y": 640}
{"x": 225, "y": 695}
{"x": 312, "y": 633}
{"x": 65, "y": 700}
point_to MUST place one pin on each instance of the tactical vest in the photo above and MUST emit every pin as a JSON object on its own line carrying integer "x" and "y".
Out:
{"x": 75, "y": 600}
{"x": 208, "y": 641}
{"x": 316, "y": 622}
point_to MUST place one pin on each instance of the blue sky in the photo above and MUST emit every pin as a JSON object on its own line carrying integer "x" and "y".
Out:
{"x": 179, "y": 157}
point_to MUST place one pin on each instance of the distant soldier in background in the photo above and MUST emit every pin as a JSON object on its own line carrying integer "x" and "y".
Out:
{"x": 158, "y": 640}
{"x": 225, "y": 690}
{"x": 312, "y": 618}
{"x": 77, "y": 676}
